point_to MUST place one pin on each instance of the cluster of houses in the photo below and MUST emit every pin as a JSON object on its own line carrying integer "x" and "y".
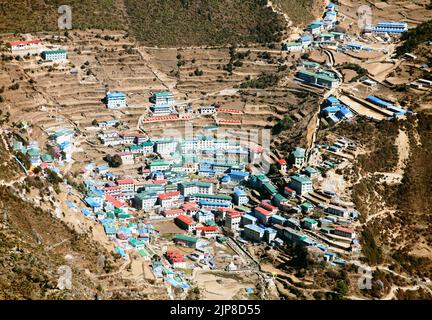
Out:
{"x": 59, "y": 150}
{"x": 334, "y": 111}
{"x": 164, "y": 106}
{"x": 201, "y": 185}
{"x": 318, "y": 32}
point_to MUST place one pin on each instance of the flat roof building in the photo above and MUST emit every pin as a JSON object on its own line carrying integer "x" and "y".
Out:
{"x": 115, "y": 100}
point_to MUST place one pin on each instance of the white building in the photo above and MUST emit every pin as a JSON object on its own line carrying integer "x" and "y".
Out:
{"x": 301, "y": 184}
{"x": 240, "y": 197}
{"x": 127, "y": 157}
{"x": 115, "y": 100}
{"x": 145, "y": 201}
{"x": 159, "y": 165}
{"x": 53, "y": 55}
{"x": 232, "y": 220}
{"x": 126, "y": 185}
{"x": 112, "y": 141}
{"x": 293, "y": 46}
{"x": 169, "y": 199}
{"x": 253, "y": 233}
{"x": 16, "y": 46}
{"x": 165, "y": 146}
{"x": 163, "y": 98}
{"x": 207, "y": 110}
{"x": 187, "y": 188}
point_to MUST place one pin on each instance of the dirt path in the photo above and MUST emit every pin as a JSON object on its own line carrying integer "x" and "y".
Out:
{"x": 402, "y": 142}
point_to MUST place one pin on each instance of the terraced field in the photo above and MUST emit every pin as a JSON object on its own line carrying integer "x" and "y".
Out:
{"x": 52, "y": 96}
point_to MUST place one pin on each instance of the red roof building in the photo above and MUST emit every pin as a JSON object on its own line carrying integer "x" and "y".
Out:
{"x": 281, "y": 162}
{"x": 268, "y": 206}
{"x": 185, "y": 219}
{"x": 173, "y": 194}
{"x": 344, "y": 230}
{"x": 263, "y": 211}
{"x": 190, "y": 207}
{"x": 125, "y": 181}
{"x": 208, "y": 229}
{"x": 289, "y": 190}
{"x": 185, "y": 223}
{"x": 175, "y": 257}
{"x": 172, "y": 213}
{"x": 161, "y": 181}
{"x": 233, "y": 214}
{"x": 23, "y": 43}
{"x": 116, "y": 203}
{"x": 112, "y": 190}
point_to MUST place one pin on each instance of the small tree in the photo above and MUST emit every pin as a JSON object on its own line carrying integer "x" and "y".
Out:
{"x": 114, "y": 161}
{"x": 341, "y": 288}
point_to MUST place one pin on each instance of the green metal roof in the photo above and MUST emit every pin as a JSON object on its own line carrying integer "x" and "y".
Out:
{"x": 183, "y": 237}
{"x": 292, "y": 44}
{"x": 54, "y": 51}
{"x": 159, "y": 163}
{"x": 301, "y": 179}
{"x": 298, "y": 153}
{"x": 307, "y": 205}
{"x": 163, "y": 94}
{"x": 326, "y": 35}
{"x": 145, "y": 195}
{"x": 311, "y": 221}
{"x": 143, "y": 253}
{"x": 280, "y": 197}
{"x": 47, "y": 158}
{"x": 321, "y": 76}
{"x": 33, "y": 152}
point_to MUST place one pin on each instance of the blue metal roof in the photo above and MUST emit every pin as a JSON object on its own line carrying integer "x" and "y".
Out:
{"x": 332, "y": 100}
{"x": 92, "y": 202}
{"x": 278, "y": 217}
{"x": 354, "y": 45}
{"x": 378, "y": 101}
{"x": 249, "y": 217}
{"x": 120, "y": 251}
{"x": 331, "y": 109}
{"x": 85, "y": 211}
{"x": 239, "y": 173}
{"x": 239, "y": 192}
{"x": 392, "y": 24}
{"x": 254, "y": 227}
{"x": 116, "y": 95}
{"x": 344, "y": 112}
{"x": 225, "y": 179}
{"x": 109, "y": 229}
{"x": 212, "y": 203}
